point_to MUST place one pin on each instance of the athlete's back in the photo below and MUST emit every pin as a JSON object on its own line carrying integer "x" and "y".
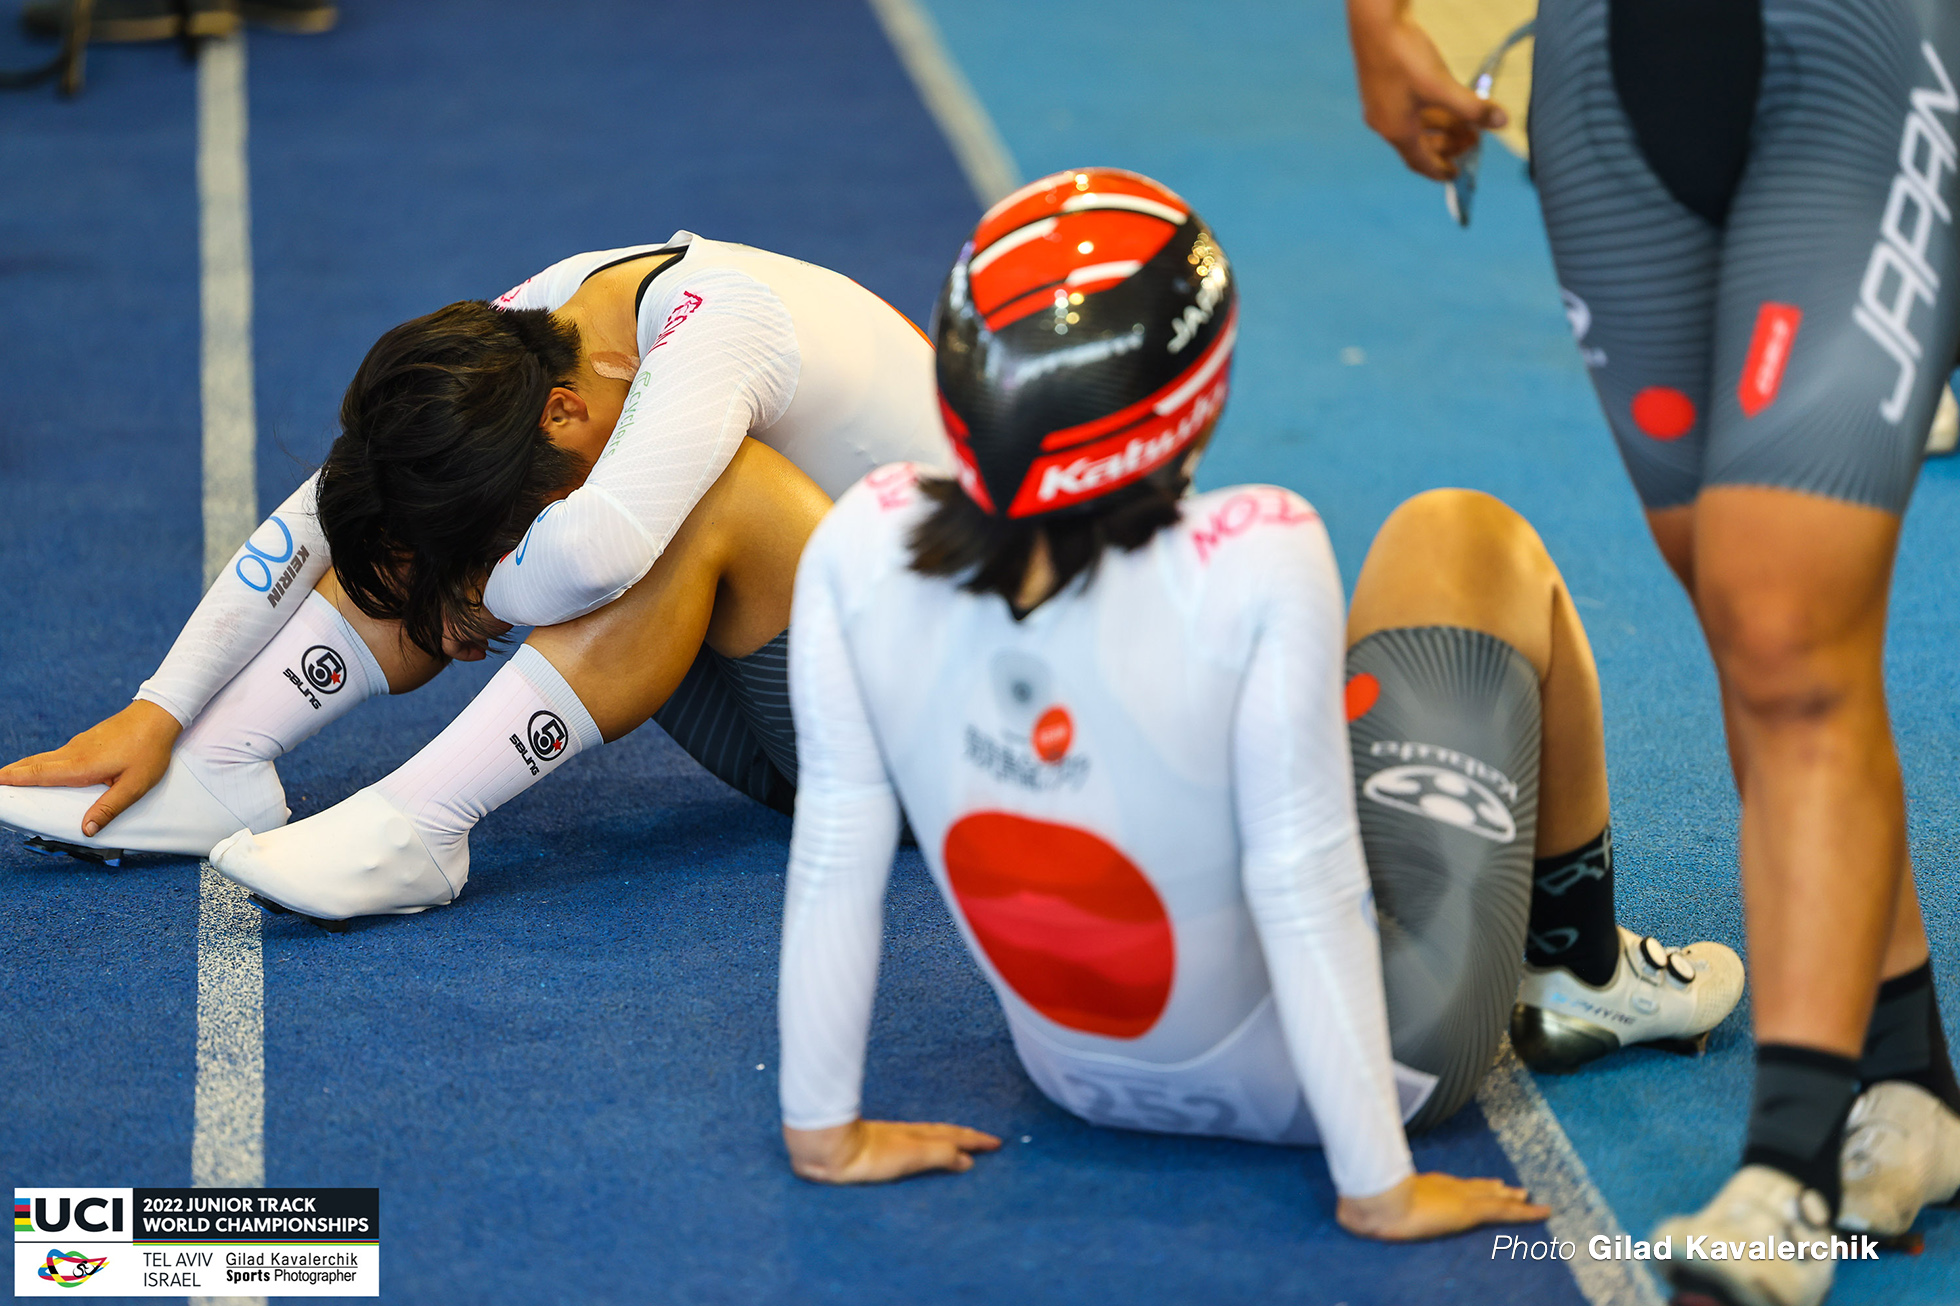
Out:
{"x": 1137, "y": 803}
{"x": 843, "y": 380}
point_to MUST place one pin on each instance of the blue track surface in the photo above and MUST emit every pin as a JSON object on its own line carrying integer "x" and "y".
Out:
{"x": 564, "y": 1085}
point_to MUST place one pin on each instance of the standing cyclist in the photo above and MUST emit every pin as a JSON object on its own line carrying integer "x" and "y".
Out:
{"x": 1750, "y": 205}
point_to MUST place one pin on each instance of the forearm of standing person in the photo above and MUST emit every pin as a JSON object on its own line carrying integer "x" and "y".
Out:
{"x": 1408, "y": 96}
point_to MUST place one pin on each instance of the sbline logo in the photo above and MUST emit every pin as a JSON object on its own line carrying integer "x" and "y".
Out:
{"x": 548, "y": 735}
{"x": 70, "y": 1269}
{"x": 324, "y": 668}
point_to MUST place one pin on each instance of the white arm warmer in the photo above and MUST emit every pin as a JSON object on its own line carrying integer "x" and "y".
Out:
{"x": 263, "y": 584}
{"x": 718, "y": 359}
{"x": 1304, "y": 876}
{"x": 840, "y": 857}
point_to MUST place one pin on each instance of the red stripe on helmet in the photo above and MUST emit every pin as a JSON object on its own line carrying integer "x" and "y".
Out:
{"x": 1004, "y": 288}
{"x": 1148, "y": 441}
{"x": 1045, "y": 197}
{"x": 1141, "y": 411}
{"x": 1053, "y": 295}
{"x": 967, "y": 471}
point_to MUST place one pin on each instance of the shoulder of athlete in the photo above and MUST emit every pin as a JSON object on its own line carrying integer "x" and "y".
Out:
{"x": 866, "y": 532}
{"x": 691, "y": 292}
{"x": 1251, "y": 555}
{"x": 551, "y": 288}
{"x": 1249, "y": 528}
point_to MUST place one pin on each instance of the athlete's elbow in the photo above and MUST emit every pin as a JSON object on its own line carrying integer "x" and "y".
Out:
{"x": 595, "y": 579}
{"x": 575, "y": 583}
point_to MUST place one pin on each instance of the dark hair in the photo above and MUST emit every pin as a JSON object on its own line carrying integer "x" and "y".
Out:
{"x": 441, "y": 466}
{"x": 959, "y": 537}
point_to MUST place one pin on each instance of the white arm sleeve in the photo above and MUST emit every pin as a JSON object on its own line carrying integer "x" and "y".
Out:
{"x": 840, "y": 857}
{"x": 264, "y": 583}
{"x": 1303, "y": 871}
{"x": 718, "y": 361}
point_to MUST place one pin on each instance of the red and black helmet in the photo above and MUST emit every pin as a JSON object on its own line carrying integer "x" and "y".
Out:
{"x": 1085, "y": 340}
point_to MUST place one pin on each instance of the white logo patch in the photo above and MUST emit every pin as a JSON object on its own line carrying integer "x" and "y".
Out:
{"x": 1443, "y": 796}
{"x": 1900, "y": 273}
{"x": 1579, "y": 314}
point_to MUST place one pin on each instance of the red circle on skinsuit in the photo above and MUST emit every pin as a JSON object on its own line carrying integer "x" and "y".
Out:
{"x": 1362, "y": 691}
{"x": 1053, "y": 733}
{"x": 1069, "y": 922}
{"x": 1663, "y": 412}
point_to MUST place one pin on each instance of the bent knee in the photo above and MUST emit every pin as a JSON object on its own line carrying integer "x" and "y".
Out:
{"x": 1451, "y": 510}
{"x": 1473, "y": 537}
{"x": 1451, "y": 522}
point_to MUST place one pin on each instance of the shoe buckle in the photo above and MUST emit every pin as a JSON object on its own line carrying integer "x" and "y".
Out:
{"x": 1660, "y": 961}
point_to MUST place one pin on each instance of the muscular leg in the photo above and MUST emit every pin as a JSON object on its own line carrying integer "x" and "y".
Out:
{"x": 1674, "y": 531}
{"x": 1451, "y": 643}
{"x": 1445, "y": 564}
{"x": 406, "y": 666}
{"x": 1792, "y": 591}
{"x": 724, "y": 582}
{"x": 1461, "y": 558}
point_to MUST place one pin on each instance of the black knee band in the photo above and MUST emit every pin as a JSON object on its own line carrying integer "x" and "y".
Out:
{"x": 1445, "y": 735}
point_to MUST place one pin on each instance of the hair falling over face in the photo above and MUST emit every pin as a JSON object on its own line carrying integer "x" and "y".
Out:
{"x": 441, "y": 464}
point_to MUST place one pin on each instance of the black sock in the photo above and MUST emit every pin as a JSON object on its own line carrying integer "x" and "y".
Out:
{"x": 1905, "y": 1041}
{"x": 1796, "y": 1123}
{"x": 1572, "y": 921}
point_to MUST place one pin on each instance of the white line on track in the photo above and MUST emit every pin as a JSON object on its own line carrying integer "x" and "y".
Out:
{"x": 1531, "y": 1136}
{"x": 228, "y": 1142}
{"x": 949, "y": 98}
{"x": 225, "y": 242}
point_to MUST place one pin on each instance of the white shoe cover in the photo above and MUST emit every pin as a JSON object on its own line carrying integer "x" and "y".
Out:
{"x": 177, "y": 815}
{"x": 1759, "y": 1204}
{"x": 1901, "y": 1152}
{"x": 361, "y": 857}
{"x": 1655, "y": 993}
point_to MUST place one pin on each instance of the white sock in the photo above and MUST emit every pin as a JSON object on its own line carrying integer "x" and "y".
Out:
{"x": 315, "y": 670}
{"x": 525, "y": 724}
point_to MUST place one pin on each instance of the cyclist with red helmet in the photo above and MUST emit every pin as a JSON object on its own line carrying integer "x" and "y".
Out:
{"x": 1144, "y": 751}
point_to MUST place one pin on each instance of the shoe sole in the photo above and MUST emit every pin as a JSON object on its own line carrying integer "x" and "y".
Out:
{"x": 1555, "y": 1044}
{"x": 1691, "y": 1289}
{"x": 109, "y": 857}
